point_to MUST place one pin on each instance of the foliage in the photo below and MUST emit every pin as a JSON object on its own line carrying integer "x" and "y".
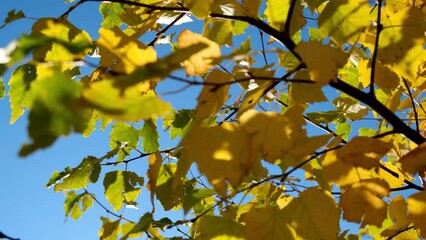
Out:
{"x": 272, "y": 73}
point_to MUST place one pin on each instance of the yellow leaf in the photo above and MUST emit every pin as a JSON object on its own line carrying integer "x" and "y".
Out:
{"x": 322, "y": 61}
{"x": 399, "y": 214}
{"x": 341, "y": 173}
{"x": 154, "y": 160}
{"x": 306, "y": 92}
{"x": 218, "y": 228}
{"x": 200, "y": 8}
{"x": 121, "y": 52}
{"x": 417, "y": 209}
{"x": 414, "y": 161}
{"x": 272, "y": 134}
{"x": 362, "y": 202}
{"x": 221, "y": 153}
{"x": 394, "y": 182}
{"x": 268, "y": 223}
{"x": 314, "y": 215}
{"x": 128, "y": 105}
{"x": 277, "y": 11}
{"x": 384, "y": 77}
{"x": 363, "y": 152}
{"x": 200, "y": 62}
{"x": 212, "y": 97}
{"x": 402, "y": 48}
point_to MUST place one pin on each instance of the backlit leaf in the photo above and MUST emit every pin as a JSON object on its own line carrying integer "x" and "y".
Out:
{"x": 109, "y": 230}
{"x": 213, "y": 227}
{"x": 306, "y": 215}
{"x": 363, "y": 152}
{"x": 120, "y": 187}
{"x": 277, "y": 11}
{"x": 344, "y": 20}
{"x": 168, "y": 195}
{"x": 306, "y": 92}
{"x": 149, "y": 136}
{"x": 155, "y": 161}
{"x": 417, "y": 209}
{"x": 268, "y": 223}
{"x": 219, "y": 32}
{"x": 125, "y": 137}
{"x": 111, "y": 14}
{"x": 322, "y": 61}
{"x": 399, "y": 214}
{"x": 79, "y": 176}
{"x": 20, "y": 92}
{"x": 75, "y": 204}
{"x": 213, "y": 97}
{"x": 414, "y": 162}
{"x": 220, "y": 153}
{"x": 130, "y": 105}
{"x": 200, "y": 62}
{"x": 362, "y": 202}
{"x": 200, "y": 8}
{"x": 12, "y": 16}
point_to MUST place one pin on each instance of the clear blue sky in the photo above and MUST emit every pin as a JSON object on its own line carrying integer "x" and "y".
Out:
{"x": 28, "y": 210}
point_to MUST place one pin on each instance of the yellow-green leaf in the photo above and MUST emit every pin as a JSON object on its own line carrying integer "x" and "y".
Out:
{"x": 277, "y": 11}
{"x": 130, "y": 105}
{"x": 213, "y": 227}
{"x": 120, "y": 188}
{"x": 200, "y": 8}
{"x": 344, "y": 20}
{"x": 149, "y": 136}
{"x": 125, "y": 137}
{"x": 109, "y": 230}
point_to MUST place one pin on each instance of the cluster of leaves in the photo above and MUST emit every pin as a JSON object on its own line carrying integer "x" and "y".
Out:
{"x": 372, "y": 53}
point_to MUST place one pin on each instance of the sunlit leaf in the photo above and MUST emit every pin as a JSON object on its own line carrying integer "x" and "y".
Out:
{"x": 414, "y": 162}
{"x": 79, "y": 176}
{"x": 155, "y": 161}
{"x": 399, "y": 213}
{"x": 109, "y": 230}
{"x": 322, "y": 61}
{"x": 363, "y": 152}
{"x": 130, "y": 105}
{"x": 200, "y": 62}
{"x": 200, "y": 8}
{"x": 75, "y": 204}
{"x": 20, "y": 92}
{"x": 277, "y": 11}
{"x": 213, "y": 97}
{"x": 168, "y": 195}
{"x": 212, "y": 227}
{"x": 125, "y": 137}
{"x": 362, "y": 202}
{"x": 219, "y": 32}
{"x": 120, "y": 187}
{"x": 344, "y": 20}
{"x": 417, "y": 209}
{"x": 111, "y": 14}
{"x": 149, "y": 136}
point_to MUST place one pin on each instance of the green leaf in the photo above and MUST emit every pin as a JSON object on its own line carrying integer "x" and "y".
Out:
{"x": 165, "y": 193}
{"x": 120, "y": 187}
{"x": 109, "y": 230}
{"x": 239, "y": 27}
{"x": 12, "y": 16}
{"x": 149, "y": 136}
{"x": 287, "y": 60}
{"x": 55, "y": 111}
{"x": 135, "y": 229}
{"x": 194, "y": 196}
{"x": 111, "y": 14}
{"x": 125, "y": 137}
{"x": 2, "y": 88}
{"x": 78, "y": 177}
{"x": 200, "y": 8}
{"x": 20, "y": 92}
{"x": 343, "y": 130}
{"x": 323, "y": 117}
{"x": 128, "y": 105}
{"x": 219, "y": 32}
{"x": 366, "y": 132}
{"x": 180, "y": 122}
{"x": 75, "y": 204}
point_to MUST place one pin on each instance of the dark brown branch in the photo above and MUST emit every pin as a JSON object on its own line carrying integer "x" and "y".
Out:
{"x": 263, "y": 47}
{"x": 416, "y": 117}
{"x": 399, "y": 232}
{"x": 398, "y": 125}
{"x": 2, "y": 235}
{"x": 160, "y": 33}
{"x": 70, "y": 9}
{"x": 289, "y": 16}
{"x": 376, "y": 49}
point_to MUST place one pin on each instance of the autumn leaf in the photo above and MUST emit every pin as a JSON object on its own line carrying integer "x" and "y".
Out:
{"x": 362, "y": 202}
{"x": 212, "y": 97}
{"x": 417, "y": 210}
{"x": 154, "y": 160}
{"x": 363, "y": 152}
{"x": 413, "y": 162}
{"x": 213, "y": 227}
{"x": 200, "y": 62}
{"x": 220, "y": 153}
{"x": 399, "y": 214}
{"x": 322, "y": 61}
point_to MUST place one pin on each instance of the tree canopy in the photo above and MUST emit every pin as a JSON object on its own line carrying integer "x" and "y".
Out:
{"x": 310, "y": 114}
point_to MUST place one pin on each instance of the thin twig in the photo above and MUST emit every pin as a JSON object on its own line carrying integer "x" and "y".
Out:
{"x": 416, "y": 117}
{"x": 2, "y": 235}
{"x": 160, "y": 33}
{"x": 263, "y": 47}
{"x": 399, "y": 232}
{"x": 141, "y": 155}
{"x": 376, "y": 49}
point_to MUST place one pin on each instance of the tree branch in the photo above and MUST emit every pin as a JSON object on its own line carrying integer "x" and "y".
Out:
{"x": 2, "y": 235}
{"x": 416, "y": 117}
{"x": 376, "y": 49}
